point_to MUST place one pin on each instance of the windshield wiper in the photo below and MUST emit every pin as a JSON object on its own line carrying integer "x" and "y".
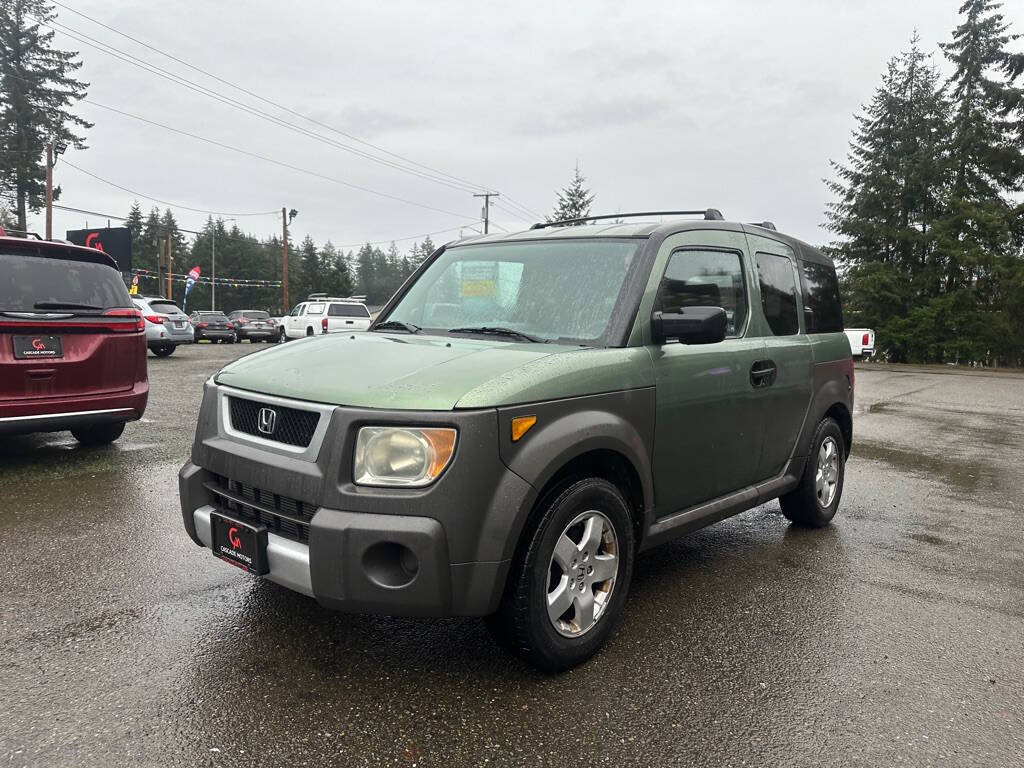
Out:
{"x": 65, "y": 305}
{"x": 491, "y": 330}
{"x": 396, "y": 325}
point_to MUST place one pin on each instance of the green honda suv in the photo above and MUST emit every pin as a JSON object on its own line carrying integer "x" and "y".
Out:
{"x": 527, "y": 414}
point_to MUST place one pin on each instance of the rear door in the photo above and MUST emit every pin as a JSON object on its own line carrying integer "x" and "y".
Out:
{"x": 787, "y": 350}
{"x": 60, "y": 334}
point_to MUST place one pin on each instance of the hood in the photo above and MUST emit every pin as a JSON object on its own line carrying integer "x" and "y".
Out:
{"x": 378, "y": 370}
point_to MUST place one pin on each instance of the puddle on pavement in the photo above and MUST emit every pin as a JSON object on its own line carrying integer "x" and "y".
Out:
{"x": 962, "y": 474}
{"x": 927, "y": 538}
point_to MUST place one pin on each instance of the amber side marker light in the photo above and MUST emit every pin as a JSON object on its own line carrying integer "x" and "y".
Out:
{"x": 521, "y": 425}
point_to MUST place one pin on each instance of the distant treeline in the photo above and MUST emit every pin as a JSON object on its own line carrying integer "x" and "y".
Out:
{"x": 928, "y": 213}
{"x": 371, "y": 271}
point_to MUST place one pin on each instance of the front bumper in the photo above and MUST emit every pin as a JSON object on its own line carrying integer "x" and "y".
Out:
{"x": 436, "y": 551}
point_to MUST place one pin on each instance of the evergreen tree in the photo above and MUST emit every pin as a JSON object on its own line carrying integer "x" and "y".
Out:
{"x": 889, "y": 195}
{"x": 574, "y": 201}
{"x": 37, "y": 88}
{"x": 986, "y": 151}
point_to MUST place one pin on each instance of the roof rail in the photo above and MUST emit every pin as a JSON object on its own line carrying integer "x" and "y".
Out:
{"x": 764, "y": 225}
{"x": 20, "y": 232}
{"x": 709, "y": 214}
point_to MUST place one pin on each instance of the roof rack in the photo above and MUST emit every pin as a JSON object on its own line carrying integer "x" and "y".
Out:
{"x": 709, "y": 214}
{"x": 764, "y": 225}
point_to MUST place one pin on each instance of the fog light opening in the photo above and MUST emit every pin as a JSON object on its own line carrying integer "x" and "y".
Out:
{"x": 389, "y": 564}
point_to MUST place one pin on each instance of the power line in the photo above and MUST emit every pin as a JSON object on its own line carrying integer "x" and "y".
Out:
{"x": 110, "y": 50}
{"x": 469, "y": 225}
{"x": 280, "y": 163}
{"x": 164, "y": 202}
{"x": 179, "y": 80}
{"x": 277, "y": 105}
{"x": 266, "y": 100}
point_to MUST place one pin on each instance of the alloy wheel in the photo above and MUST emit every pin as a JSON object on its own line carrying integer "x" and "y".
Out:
{"x": 826, "y": 478}
{"x": 581, "y": 574}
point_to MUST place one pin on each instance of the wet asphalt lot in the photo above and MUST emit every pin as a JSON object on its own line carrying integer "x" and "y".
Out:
{"x": 895, "y": 637}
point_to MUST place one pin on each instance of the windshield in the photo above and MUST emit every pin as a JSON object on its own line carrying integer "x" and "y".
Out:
{"x": 555, "y": 290}
{"x": 29, "y": 280}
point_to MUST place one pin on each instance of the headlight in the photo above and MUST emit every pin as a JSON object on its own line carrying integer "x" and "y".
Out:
{"x": 404, "y": 456}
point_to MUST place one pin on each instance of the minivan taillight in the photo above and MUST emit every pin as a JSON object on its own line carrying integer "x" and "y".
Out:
{"x": 134, "y": 314}
{"x": 155, "y": 319}
{"x": 323, "y": 324}
{"x": 864, "y": 342}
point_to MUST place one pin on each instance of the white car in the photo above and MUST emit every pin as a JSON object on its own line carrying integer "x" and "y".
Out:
{"x": 862, "y": 341}
{"x": 324, "y": 314}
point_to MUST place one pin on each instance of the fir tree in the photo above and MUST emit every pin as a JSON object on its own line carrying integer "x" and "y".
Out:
{"x": 36, "y": 90}
{"x": 985, "y": 146}
{"x": 889, "y": 197}
{"x": 574, "y": 201}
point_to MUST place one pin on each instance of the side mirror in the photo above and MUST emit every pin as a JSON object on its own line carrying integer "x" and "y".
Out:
{"x": 691, "y": 325}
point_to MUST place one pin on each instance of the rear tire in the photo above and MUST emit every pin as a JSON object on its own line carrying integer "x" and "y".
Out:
{"x": 163, "y": 351}
{"x": 580, "y": 556}
{"x": 100, "y": 434}
{"x": 813, "y": 503}
{"x": 309, "y": 331}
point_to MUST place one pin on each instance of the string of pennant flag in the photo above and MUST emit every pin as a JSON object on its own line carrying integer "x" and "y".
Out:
{"x": 232, "y": 282}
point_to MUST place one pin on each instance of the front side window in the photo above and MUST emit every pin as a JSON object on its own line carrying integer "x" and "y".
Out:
{"x": 822, "y": 310}
{"x": 705, "y": 278}
{"x": 298, "y": 310}
{"x": 778, "y": 293}
{"x": 556, "y": 290}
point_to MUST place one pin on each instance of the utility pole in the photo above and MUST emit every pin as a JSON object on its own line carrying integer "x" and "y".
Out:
{"x": 49, "y": 190}
{"x": 286, "y": 218}
{"x": 170, "y": 268}
{"x": 487, "y": 207}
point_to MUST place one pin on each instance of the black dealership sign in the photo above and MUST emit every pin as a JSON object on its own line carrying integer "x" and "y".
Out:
{"x": 116, "y": 242}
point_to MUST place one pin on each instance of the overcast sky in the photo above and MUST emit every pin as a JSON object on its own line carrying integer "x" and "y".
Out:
{"x": 734, "y": 104}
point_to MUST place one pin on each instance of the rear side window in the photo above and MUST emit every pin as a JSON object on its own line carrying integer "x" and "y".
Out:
{"x": 822, "y": 311}
{"x": 347, "y": 310}
{"x": 165, "y": 307}
{"x": 315, "y": 309}
{"x": 778, "y": 293}
{"x": 26, "y": 281}
{"x": 697, "y": 278}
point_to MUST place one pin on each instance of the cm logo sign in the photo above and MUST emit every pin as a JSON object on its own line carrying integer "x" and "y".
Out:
{"x": 116, "y": 242}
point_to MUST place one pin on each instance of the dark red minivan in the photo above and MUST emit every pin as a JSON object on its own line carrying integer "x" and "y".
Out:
{"x": 72, "y": 344}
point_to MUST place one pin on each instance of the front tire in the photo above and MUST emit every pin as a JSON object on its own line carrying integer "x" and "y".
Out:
{"x": 568, "y": 583}
{"x": 100, "y": 434}
{"x": 813, "y": 503}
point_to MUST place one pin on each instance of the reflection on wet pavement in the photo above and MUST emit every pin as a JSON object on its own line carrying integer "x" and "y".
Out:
{"x": 892, "y": 637}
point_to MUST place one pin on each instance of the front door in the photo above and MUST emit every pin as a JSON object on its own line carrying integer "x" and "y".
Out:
{"x": 710, "y": 421}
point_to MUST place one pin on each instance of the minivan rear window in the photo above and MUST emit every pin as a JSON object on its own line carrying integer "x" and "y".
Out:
{"x": 347, "y": 310}
{"x": 27, "y": 281}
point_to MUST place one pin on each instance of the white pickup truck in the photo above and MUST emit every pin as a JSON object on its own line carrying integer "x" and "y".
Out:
{"x": 862, "y": 341}
{"x": 324, "y": 314}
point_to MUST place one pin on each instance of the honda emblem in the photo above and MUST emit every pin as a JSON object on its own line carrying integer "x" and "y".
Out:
{"x": 267, "y": 421}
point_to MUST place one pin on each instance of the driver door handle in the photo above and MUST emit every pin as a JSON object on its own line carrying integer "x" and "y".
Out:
{"x": 762, "y": 374}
